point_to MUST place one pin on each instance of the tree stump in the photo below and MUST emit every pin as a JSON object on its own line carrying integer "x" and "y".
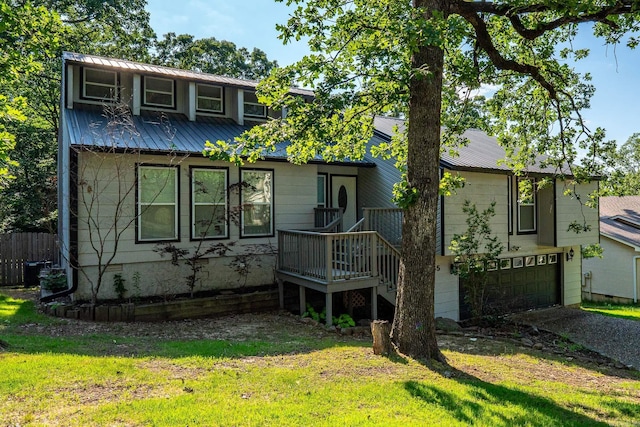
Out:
{"x": 381, "y": 332}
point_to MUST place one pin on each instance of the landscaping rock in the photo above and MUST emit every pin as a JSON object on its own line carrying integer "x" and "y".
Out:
{"x": 447, "y": 325}
{"x": 526, "y": 342}
{"x": 538, "y": 346}
{"x": 308, "y": 321}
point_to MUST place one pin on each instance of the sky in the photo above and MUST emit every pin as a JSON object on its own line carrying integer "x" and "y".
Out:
{"x": 251, "y": 23}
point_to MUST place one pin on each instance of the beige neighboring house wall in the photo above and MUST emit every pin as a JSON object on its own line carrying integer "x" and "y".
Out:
{"x": 613, "y": 274}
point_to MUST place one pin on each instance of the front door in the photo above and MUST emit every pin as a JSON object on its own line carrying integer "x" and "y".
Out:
{"x": 343, "y": 195}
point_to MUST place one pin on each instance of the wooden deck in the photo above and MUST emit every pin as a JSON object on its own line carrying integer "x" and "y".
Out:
{"x": 336, "y": 262}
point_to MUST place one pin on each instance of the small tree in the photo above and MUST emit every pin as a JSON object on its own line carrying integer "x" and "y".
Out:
{"x": 106, "y": 183}
{"x": 473, "y": 251}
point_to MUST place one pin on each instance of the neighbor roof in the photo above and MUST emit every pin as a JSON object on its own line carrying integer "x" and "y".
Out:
{"x": 483, "y": 151}
{"x": 158, "y": 70}
{"x": 620, "y": 219}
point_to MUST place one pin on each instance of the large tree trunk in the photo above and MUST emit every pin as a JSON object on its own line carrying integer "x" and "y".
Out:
{"x": 413, "y": 329}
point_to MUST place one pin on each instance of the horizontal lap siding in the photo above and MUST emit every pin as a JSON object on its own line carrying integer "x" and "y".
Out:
{"x": 294, "y": 200}
{"x": 612, "y": 274}
{"x": 570, "y": 209}
{"x": 446, "y": 291}
{"x": 481, "y": 189}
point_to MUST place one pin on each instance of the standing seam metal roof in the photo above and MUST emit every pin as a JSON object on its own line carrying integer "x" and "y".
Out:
{"x": 156, "y": 131}
{"x": 483, "y": 151}
{"x": 148, "y": 69}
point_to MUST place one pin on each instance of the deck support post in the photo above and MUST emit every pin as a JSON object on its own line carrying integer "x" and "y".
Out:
{"x": 303, "y": 300}
{"x": 374, "y": 303}
{"x": 281, "y": 293}
{"x": 329, "y": 308}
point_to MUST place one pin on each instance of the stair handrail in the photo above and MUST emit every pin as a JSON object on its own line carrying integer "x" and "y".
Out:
{"x": 388, "y": 268}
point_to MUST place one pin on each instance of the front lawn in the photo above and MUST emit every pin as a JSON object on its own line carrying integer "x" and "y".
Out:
{"x": 624, "y": 311}
{"x": 283, "y": 372}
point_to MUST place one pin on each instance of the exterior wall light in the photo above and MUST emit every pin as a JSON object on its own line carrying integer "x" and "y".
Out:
{"x": 570, "y": 255}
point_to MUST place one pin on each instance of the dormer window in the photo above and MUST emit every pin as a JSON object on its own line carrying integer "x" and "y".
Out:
{"x": 252, "y": 108}
{"x": 159, "y": 92}
{"x": 209, "y": 98}
{"x": 99, "y": 84}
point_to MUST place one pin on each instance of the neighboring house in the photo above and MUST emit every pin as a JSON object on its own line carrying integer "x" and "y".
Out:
{"x": 142, "y": 176}
{"x": 615, "y": 276}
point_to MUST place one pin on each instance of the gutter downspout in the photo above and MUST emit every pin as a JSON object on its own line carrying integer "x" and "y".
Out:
{"x": 72, "y": 289}
{"x": 635, "y": 278}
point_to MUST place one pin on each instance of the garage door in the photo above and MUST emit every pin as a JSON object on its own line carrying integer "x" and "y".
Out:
{"x": 521, "y": 283}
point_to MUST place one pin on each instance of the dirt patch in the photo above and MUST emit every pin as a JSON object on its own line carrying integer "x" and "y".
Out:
{"x": 495, "y": 340}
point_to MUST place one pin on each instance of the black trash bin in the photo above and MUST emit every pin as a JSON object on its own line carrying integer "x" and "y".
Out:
{"x": 31, "y": 273}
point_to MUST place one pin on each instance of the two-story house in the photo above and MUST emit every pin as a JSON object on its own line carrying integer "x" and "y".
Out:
{"x": 133, "y": 182}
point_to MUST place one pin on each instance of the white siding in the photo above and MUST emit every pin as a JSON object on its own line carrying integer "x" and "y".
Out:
{"x": 294, "y": 200}
{"x": 572, "y": 277}
{"x": 447, "y": 292}
{"x": 570, "y": 209}
{"x": 481, "y": 189}
{"x": 613, "y": 274}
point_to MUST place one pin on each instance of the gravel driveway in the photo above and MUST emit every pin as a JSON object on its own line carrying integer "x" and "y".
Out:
{"x": 616, "y": 338}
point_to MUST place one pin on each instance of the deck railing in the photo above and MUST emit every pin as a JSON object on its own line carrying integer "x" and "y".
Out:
{"x": 388, "y": 263}
{"x": 386, "y": 221}
{"x": 322, "y": 217}
{"x": 328, "y": 257}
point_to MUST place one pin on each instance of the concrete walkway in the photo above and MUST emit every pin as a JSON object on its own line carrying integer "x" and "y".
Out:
{"x": 616, "y": 338}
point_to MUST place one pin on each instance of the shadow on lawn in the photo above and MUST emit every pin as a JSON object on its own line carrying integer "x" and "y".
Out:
{"x": 476, "y": 406}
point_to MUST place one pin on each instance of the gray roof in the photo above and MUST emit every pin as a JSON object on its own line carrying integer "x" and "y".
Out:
{"x": 620, "y": 219}
{"x": 483, "y": 151}
{"x": 159, "y": 132}
{"x": 158, "y": 70}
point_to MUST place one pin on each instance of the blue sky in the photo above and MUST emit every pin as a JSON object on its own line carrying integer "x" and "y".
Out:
{"x": 251, "y": 23}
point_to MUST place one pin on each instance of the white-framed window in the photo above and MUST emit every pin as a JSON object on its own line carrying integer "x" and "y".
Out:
{"x": 209, "y": 203}
{"x": 157, "y": 203}
{"x": 252, "y": 108}
{"x": 99, "y": 84}
{"x": 526, "y": 205}
{"x": 256, "y": 198}
{"x": 209, "y": 98}
{"x": 158, "y": 92}
{"x": 322, "y": 191}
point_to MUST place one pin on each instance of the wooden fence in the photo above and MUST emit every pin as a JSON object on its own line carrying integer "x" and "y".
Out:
{"x": 18, "y": 248}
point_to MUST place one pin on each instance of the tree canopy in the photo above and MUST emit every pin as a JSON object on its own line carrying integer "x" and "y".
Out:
{"x": 212, "y": 56}
{"x": 622, "y": 169}
{"x": 34, "y": 33}
{"x": 423, "y": 59}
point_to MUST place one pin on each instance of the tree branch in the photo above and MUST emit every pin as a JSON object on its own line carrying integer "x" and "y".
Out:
{"x": 486, "y": 43}
{"x": 514, "y": 14}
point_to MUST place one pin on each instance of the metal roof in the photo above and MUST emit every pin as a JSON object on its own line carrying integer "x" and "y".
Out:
{"x": 483, "y": 151}
{"x": 613, "y": 209}
{"x": 160, "y": 132}
{"x": 158, "y": 70}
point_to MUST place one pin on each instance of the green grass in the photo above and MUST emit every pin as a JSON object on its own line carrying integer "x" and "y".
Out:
{"x": 623, "y": 311}
{"x": 319, "y": 380}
